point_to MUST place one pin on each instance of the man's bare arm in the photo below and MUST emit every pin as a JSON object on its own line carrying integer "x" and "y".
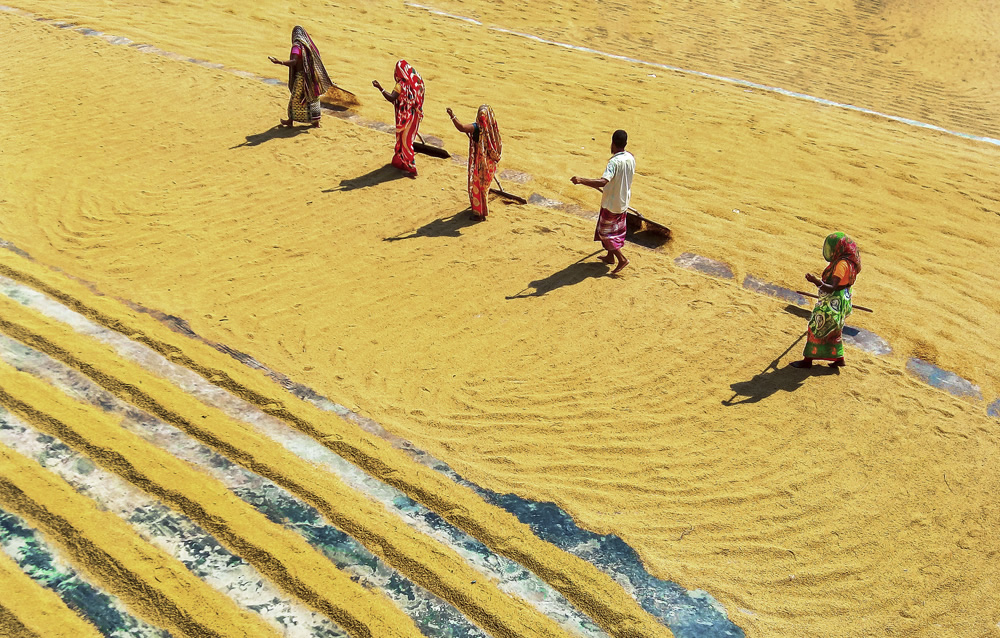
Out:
{"x": 599, "y": 184}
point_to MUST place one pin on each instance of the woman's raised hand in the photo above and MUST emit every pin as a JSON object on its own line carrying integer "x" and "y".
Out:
{"x": 451, "y": 113}
{"x": 376, "y": 85}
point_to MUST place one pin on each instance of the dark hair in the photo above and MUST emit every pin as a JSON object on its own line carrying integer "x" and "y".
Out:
{"x": 619, "y": 138}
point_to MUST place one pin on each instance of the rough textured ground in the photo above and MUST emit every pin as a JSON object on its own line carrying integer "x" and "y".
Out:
{"x": 851, "y": 504}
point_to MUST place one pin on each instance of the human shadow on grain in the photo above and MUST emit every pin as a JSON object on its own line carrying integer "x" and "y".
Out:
{"x": 380, "y": 175}
{"x": 579, "y": 271}
{"x": 450, "y": 226}
{"x": 276, "y": 132}
{"x": 774, "y": 379}
{"x": 802, "y": 313}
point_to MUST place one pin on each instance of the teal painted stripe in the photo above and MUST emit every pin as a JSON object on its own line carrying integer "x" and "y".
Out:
{"x": 173, "y": 533}
{"x": 511, "y": 577}
{"x": 43, "y": 564}
{"x": 186, "y": 541}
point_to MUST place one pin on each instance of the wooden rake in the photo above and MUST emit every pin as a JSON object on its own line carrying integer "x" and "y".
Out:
{"x": 437, "y": 151}
{"x": 502, "y": 193}
{"x": 853, "y": 305}
{"x": 634, "y": 222}
{"x": 427, "y": 149}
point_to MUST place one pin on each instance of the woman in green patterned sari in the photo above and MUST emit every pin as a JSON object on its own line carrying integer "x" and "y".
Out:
{"x": 826, "y": 324}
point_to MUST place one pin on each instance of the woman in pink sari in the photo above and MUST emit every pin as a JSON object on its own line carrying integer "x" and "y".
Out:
{"x": 485, "y": 148}
{"x": 408, "y": 98}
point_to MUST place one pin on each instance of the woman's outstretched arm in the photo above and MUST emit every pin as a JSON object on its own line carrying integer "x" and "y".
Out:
{"x": 292, "y": 63}
{"x": 389, "y": 97}
{"x": 464, "y": 128}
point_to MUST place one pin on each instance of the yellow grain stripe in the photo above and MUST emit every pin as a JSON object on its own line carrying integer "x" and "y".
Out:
{"x": 154, "y": 585}
{"x": 39, "y": 611}
{"x": 277, "y": 552}
{"x": 581, "y": 583}
{"x": 423, "y": 559}
{"x": 11, "y": 627}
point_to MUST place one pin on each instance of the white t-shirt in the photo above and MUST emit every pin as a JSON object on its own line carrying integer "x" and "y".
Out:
{"x": 618, "y": 190}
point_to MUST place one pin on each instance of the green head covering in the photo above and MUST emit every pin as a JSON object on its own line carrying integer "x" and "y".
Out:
{"x": 839, "y": 246}
{"x": 830, "y": 245}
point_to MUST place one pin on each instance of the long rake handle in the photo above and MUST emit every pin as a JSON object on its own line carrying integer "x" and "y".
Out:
{"x": 809, "y": 294}
{"x": 503, "y": 193}
{"x": 627, "y": 208}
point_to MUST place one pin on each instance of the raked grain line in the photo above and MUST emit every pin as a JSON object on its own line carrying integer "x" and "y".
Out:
{"x": 600, "y": 597}
{"x": 279, "y": 553}
{"x": 512, "y": 578}
{"x": 46, "y": 566}
{"x": 153, "y": 584}
{"x": 671, "y": 604}
{"x": 711, "y": 76}
{"x": 174, "y": 533}
{"x": 427, "y": 610}
{"x": 31, "y": 608}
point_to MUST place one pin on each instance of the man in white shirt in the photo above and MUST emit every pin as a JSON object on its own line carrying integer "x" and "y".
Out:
{"x": 616, "y": 183}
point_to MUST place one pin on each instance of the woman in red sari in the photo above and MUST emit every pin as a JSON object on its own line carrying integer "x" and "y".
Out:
{"x": 408, "y": 98}
{"x": 485, "y": 148}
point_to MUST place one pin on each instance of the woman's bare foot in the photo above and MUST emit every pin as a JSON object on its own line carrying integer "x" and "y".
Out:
{"x": 315, "y": 124}
{"x": 621, "y": 265}
{"x": 838, "y": 363}
{"x": 804, "y": 364}
{"x": 608, "y": 259}
{"x": 286, "y": 122}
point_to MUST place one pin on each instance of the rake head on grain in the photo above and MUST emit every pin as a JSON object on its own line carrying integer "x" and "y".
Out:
{"x": 636, "y": 222}
{"x": 339, "y": 99}
{"x": 502, "y": 193}
{"x": 429, "y": 149}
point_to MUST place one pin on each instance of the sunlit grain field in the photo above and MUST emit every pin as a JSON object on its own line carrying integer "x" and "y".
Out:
{"x": 253, "y": 384}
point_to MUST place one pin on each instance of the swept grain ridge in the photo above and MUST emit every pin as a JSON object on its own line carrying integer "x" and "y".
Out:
{"x": 36, "y": 610}
{"x": 275, "y": 551}
{"x": 589, "y": 589}
{"x": 421, "y": 558}
{"x": 153, "y": 584}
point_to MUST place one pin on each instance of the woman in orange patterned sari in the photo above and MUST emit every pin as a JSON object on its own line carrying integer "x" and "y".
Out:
{"x": 485, "y": 148}
{"x": 826, "y": 324}
{"x": 408, "y": 98}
